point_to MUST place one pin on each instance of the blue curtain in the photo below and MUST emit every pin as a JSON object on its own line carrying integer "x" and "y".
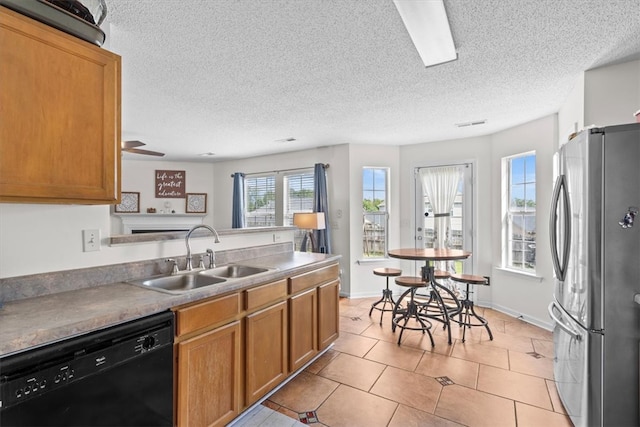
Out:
{"x": 320, "y": 204}
{"x": 237, "y": 214}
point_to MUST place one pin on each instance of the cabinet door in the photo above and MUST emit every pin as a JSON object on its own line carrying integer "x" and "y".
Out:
{"x": 60, "y": 109}
{"x": 266, "y": 351}
{"x": 303, "y": 328}
{"x": 209, "y": 368}
{"x": 328, "y": 315}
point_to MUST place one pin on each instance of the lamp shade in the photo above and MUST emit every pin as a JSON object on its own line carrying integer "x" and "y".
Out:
{"x": 309, "y": 221}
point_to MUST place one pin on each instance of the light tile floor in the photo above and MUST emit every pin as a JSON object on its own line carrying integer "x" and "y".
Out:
{"x": 366, "y": 379}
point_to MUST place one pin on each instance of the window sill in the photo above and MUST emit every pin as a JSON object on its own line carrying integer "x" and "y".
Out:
{"x": 372, "y": 260}
{"x": 521, "y": 274}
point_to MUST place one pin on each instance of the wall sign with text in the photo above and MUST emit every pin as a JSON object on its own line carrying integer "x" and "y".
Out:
{"x": 170, "y": 184}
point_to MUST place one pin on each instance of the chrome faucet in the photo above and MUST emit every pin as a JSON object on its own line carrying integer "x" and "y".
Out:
{"x": 174, "y": 266}
{"x": 189, "y": 265}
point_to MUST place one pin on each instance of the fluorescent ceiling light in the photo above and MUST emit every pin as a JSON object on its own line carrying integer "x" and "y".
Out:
{"x": 428, "y": 26}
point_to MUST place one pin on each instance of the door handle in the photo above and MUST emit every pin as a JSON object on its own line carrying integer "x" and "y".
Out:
{"x": 560, "y": 266}
{"x": 562, "y": 325}
{"x": 636, "y": 298}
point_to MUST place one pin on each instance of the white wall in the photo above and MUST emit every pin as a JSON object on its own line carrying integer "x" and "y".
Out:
{"x": 43, "y": 238}
{"x": 612, "y": 94}
{"x": 571, "y": 113}
{"x": 515, "y": 293}
{"x": 139, "y": 176}
{"x": 602, "y": 97}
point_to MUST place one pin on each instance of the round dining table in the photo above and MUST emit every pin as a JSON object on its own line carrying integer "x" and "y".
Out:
{"x": 429, "y": 255}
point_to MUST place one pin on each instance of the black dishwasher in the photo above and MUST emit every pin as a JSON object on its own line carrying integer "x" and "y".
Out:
{"x": 119, "y": 376}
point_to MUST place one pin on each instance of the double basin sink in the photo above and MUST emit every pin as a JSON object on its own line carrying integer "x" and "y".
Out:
{"x": 186, "y": 281}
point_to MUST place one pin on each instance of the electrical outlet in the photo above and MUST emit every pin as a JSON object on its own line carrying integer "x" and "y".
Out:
{"x": 91, "y": 240}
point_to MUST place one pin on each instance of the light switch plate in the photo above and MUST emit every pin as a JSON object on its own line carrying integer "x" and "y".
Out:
{"x": 91, "y": 240}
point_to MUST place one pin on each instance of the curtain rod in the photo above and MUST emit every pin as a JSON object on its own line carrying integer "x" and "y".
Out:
{"x": 326, "y": 166}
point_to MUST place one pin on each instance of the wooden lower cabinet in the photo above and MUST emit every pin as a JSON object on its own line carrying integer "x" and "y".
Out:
{"x": 209, "y": 369}
{"x": 266, "y": 351}
{"x": 234, "y": 349}
{"x": 328, "y": 314}
{"x": 303, "y": 328}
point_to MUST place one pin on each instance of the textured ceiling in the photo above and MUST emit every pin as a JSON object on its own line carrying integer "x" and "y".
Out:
{"x": 235, "y": 76}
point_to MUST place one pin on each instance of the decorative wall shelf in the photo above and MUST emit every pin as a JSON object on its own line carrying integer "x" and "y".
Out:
{"x": 153, "y": 222}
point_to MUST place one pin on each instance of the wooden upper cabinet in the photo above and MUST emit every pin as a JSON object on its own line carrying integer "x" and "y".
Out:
{"x": 59, "y": 116}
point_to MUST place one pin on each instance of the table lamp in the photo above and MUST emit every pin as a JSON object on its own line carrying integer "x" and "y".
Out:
{"x": 309, "y": 221}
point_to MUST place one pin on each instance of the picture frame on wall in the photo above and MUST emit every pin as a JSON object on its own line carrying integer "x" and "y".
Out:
{"x": 129, "y": 202}
{"x": 196, "y": 203}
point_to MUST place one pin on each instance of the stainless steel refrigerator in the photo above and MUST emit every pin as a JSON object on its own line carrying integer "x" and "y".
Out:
{"x": 595, "y": 249}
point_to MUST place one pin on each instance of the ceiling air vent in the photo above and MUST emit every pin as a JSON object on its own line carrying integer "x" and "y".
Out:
{"x": 467, "y": 124}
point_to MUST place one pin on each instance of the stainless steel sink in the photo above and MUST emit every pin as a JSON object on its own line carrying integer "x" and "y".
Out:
{"x": 186, "y": 281}
{"x": 233, "y": 271}
{"x": 178, "y": 283}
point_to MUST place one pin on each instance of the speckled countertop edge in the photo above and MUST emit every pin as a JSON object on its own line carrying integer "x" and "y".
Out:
{"x": 34, "y": 322}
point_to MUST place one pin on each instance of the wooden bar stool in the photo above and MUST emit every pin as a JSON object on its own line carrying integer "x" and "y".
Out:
{"x": 467, "y": 305}
{"x": 441, "y": 274}
{"x": 387, "y": 294}
{"x": 411, "y": 311}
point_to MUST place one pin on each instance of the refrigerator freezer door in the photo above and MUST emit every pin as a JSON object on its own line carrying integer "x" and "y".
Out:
{"x": 571, "y": 366}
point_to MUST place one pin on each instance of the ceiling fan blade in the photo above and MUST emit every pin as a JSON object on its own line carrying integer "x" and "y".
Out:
{"x": 132, "y": 144}
{"x": 139, "y": 151}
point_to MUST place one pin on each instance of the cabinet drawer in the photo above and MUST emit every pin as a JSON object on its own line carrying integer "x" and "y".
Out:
{"x": 261, "y": 295}
{"x": 207, "y": 313}
{"x": 313, "y": 278}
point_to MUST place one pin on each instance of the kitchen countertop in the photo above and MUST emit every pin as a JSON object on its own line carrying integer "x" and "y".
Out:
{"x": 37, "y": 321}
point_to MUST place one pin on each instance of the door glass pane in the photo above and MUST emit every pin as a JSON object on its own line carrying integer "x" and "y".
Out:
{"x": 459, "y": 234}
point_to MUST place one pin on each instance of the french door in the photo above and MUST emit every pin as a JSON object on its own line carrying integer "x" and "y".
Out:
{"x": 457, "y": 232}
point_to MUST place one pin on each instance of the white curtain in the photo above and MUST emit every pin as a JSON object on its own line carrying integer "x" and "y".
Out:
{"x": 441, "y": 185}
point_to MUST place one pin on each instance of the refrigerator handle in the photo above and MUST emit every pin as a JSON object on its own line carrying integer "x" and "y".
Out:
{"x": 560, "y": 266}
{"x": 575, "y": 335}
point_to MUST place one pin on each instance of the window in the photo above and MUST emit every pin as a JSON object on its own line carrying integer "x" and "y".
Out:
{"x": 260, "y": 205}
{"x": 273, "y": 199}
{"x": 519, "y": 229}
{"x": 375, "y": 214}
{"x": 299, "y": 196}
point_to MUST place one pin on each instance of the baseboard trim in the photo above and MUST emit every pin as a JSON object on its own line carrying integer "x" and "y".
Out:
{"x": 508, "y": 311}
